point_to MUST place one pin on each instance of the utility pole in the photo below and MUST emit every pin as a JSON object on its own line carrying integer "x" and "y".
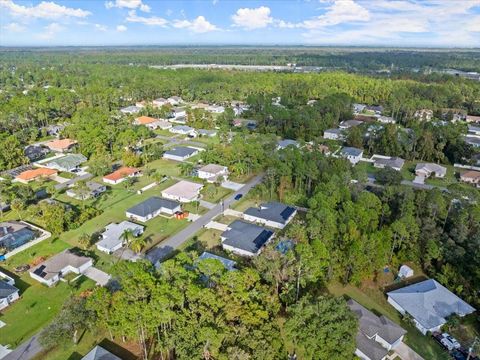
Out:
{"x": 471, "y": 348}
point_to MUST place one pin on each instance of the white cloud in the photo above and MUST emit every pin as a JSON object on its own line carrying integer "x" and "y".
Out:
{"x": 15, "y": 27}
{"x": 341, "y": 11}
{"x": 128, "y": 4}
{"x": 169, "y": 12}
{"x": 100, "y": 27}
{"x": 50, "y": 31}
{"x": 121, "y": 28}
{"x": 151, "y": 21}
{"x": 198, "y": 25}
{"x": 252, "y": 18}
{"x": 44, "y": 10}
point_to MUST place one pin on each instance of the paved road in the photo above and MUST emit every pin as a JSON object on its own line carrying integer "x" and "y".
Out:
{"x": 25, "y": 351}
{"x": 166, "y": 247}
{"x": 73, "y": 181}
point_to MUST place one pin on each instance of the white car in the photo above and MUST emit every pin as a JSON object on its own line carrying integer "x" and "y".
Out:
{"x": 449, "y": 342}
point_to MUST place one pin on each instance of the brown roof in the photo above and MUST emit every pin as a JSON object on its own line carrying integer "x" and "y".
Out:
{"x": 121, "y": 173}
{"x": 35, "y": 173}
{"x": 471, "y": 174}
{"x": 60, "y": 144}
{"x": 143, "y": 120}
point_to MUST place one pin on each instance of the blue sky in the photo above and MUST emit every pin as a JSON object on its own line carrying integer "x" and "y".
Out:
{"x": 424, "y": 23}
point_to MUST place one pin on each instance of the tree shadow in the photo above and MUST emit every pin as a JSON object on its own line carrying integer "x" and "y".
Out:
{"x": 117, "y": 350}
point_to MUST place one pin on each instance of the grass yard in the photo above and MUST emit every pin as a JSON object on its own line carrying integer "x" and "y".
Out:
{"x": 447, "y": 180}
{"x": 37, "y": 306}
{"x": 165, "y": 167}
{"x": 215, "y": 196}
{"x": 244, "y": 203}
{"x": 408, "y": 170}
{"x": 374, "y": 300}
{"x": 209, "y": 238}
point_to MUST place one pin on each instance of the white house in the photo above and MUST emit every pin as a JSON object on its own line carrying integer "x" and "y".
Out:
{"x": 426, "y": 170}
{"x": 153, "y": 207}
{"x": 352, "y": 154}
{"x": 175, "y": 100}
{"x": 121, "y": 175}
{"x": 216, "y": 109}
{"x": 429, "y": 304}
{"x": 271, "y": 214}
{"x": 111, "y": 238}
{"x": 8, "y": 292}
{"x": 333, "y": 134}
{"x": 405, "y": 272}
{"x": 381, "y": 162}
{"x": 347, "y": 124}
{"x": 183, "y": 191}
{"x": 178, "y": 112}
{"x": 245, "y": 239}
{"x": 52, "y": 270}
{"x": 183, "y": 130}
{"x": 180, "y": 153}
{"x": 213, "y": 173}
{"x": 159, "y": 102}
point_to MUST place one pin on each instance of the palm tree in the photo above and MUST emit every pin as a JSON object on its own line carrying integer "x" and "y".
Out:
{"x": 137, "y": 244}
{"x": 85, "y": 240}
{"x": 186, "y": 168}
{"x": 127, "y": 236}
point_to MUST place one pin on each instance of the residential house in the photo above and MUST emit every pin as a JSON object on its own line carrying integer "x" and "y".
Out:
{"x": 53, "y": 269}
{"x": 141, "y": 104}
{"x": 183, "y": 130}
{"x": 381, "y": 162}
{"x": 160, "y": 102}
{"x": 347, "y": 124}
{"x": 8, "y": 292}
{"x": 424, "y": 114}
{"x": 178, "y": 112}
{"x": 472, "y": 118}
{"x": 93, "y": 190}
{"x": 239, "y": 108}
{"x": 99, "y": 353}
{"x": 471, "y": 177}
{"x": 213, "y": 173}
{"x": 153, "y": 207}
{"x": 130, "y": 110}
{"x": 352, "y": 154}
{"x": 473, "y": 140}
{"x": 377, "y": 335}
{"x": 283, "y": 144}
{"x": 474, "y": 129}
{"x": 35, "y": 152}
{"x": 207, "y": 133}
{"x": 66, "y": 163}
{"x": 62, "y": 145}
{"x": 358, "y": 108}
{"x": 245, "y": 239}
{"x": 385, "y": 119}
{"x": 112, "y": 238}
{"x": 153, "y": 123}
{"x": 183, "y": 191}
{"x": 377, "y": 109}
{"x": 180, "y": 153}
{"x": 429, "y": 304}
{"x": 333, "y": 134}
{"x": 14, "y": 234}
{"x": 271, "y": 214}
{"x": 54, "y": 130}
{"x": 121, "y": 174}
{"x": 426, "y": 170}
{"x": 216, "y": 109}
{"x": 36, "y": 174}
{"x": 227, "y": 263}
{"x": 144, "y": 120}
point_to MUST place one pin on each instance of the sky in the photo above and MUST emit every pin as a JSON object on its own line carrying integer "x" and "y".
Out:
{"x": 401, "y": 23}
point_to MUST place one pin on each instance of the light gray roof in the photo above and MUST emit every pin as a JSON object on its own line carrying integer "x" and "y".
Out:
{"x": 181, "y": 151}
{"x": 99, "y": 353}
{"x": 371, "y": 324}
{"x": 370, "y": 347}
{"x": 282, "y": 144}
{"x": 70, "y": 161}
{"x": 350, "y": 123}
{"x": 334, "y": 131}
{"x": 54, "y": 265}
{"x": 207, "y": 132}
{"x": 429, "y": 303}
{"x": 431, "y": 168}
{"x": 111, "y": 237}
{"x": 130, "y": 109}
{"x": 272, "y": 211}
{"x": 474, "y": 128}
{"x": 152, "y": 205}
{"x": 227, "y": 263}
{"x": 245, "y": 236}
{"x": 393, "y": 162}
{"x": 6, "y": 289}
{"x": 183, "y": 128}
{"x": 351, "y": 151}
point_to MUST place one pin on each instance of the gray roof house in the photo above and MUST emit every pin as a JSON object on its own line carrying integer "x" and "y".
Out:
{"x": 227, "y": 263}
{"x": 8, "y": 293}
{"x": 207, "y": 133}
{"x": 380, "y": 161}
{"x": 245, "y": 239}
{"x": 282, "y": 144}
{"x": 333, "y": 134}
{"x": 67, "y": 162}
{"x": 94, "y": 190}
{"x": 153, "y": 207}
{"x": 376, "y": 334}
{"x": 272, "y": 214}
{"x": 351, "y": 154}
{"x": 180, "y": 153}
{"x": 429, "y": 304}
{"x": 347, "y": 124}
{"x": 112, "y": 236}
{"x": 130, "y": 109}
{"x": 99, "y": 353}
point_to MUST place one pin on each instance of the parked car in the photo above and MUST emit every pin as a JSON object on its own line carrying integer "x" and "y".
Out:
{"x": 238, "y": 196}
{"x": 458, "y": 355}
{"x": 449, "y": 342}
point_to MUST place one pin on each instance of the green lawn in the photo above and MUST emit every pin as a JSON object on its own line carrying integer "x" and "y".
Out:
{"x": 209, "y": 238}
{"x": 166, "y": 167}
{"x": 67, "y": 175}
{"x": 37, "y": 306}
{"x": 214, "y": 197}
{"x": 374, "y": 300}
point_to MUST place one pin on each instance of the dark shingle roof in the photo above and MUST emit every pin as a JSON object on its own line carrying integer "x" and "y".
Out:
{"x": 181, "y": 151}
{"x": 351, "y": 151}
{"x": 6, "y": 289}
{"x": 245, "y": 236}
{"x": 151, "y": 205}
{"x": 272, "y": 211}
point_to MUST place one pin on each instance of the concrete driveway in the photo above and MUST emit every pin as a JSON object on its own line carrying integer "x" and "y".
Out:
{"x": 100, "y": 277}
{"x": 405, "y": 352}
